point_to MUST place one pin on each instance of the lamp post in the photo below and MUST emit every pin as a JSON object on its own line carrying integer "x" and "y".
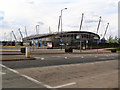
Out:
{"x": 37, "y": 32}
{"x": 37, "y": 29}
{"x": 61, "y": 24}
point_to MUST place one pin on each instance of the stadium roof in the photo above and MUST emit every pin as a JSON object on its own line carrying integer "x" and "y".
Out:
{"x": 56, "y": 33}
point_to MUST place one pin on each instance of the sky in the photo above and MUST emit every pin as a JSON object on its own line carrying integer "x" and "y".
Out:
{"x": 16, "y": 14}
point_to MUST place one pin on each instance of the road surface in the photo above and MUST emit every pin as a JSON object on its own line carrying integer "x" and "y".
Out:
{"x": 63, "y": 71}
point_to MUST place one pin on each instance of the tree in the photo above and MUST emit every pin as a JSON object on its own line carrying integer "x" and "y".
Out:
{"x": 110, "y": 39}
{"x": 119, "y": 40}
{"x": 113, "y": 40}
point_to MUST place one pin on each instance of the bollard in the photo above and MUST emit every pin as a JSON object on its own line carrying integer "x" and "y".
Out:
{"x": 27, "y": 52}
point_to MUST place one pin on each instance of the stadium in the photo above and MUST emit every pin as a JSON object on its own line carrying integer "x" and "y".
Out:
{"x": 76, "y": 39}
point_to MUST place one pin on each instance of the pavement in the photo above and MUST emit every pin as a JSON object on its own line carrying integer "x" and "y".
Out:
{"x": 60, "y": 59}
{"x": 53, "y": 68}
{"x": 93, "y": 71}
{"x": 62, "y": 51}
{"x": 16, "y": 58}
{"x": 88, "y": 75}
{"x": 17, "y": 55}
{"x": 13, "y": 80}
{"x": 13, "y": 53}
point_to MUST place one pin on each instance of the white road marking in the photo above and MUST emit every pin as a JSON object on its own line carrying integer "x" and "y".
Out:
{"x": 66, "y": 57}
{"x": 42, "y": 58}
{"x": 1, "y": 73}
{"x": 48, "y": 86}
{"x": 96, "y": 56}
{"x": 27, "y": 77}
{"x": 37, "y": 57}
{"x": 10, "y": 69}
{"x": 97, "y": 62}
{"x": 34, "y": 80}
{"x": 65, "y": 85}
{"x": 31, "y": 79}
{"x": 82, "y": 57}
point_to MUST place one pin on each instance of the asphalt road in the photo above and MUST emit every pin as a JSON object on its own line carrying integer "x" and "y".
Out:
{"x": 62, "y": 71}
{"x": 13, "y": 80}
{"x": 51, "y": 60}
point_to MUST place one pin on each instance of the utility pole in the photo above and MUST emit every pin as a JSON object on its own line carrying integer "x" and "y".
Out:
{"x": 80, "y": 30}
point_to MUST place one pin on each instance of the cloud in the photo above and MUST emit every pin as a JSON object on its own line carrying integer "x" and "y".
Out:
{"x": 2, "y": 12}
{"x": 1, "y": 15}
{"x": 31, "y": 2}
{"x": 1, "y": 18}
{"x": 20, "y": 13}
{"x": 91, "y": 21}
{"x": 40, "y": 23}
{"x": 73, "y": 26}
{"x": 4, "y": 24}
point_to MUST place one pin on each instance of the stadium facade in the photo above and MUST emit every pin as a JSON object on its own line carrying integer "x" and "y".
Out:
{"x": 76, "y": 39}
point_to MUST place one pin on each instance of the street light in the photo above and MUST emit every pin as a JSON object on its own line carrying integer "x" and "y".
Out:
{"x": 37, "y": 29}
{"x": 61, "y": 18}
{"x": 61, "y": 23}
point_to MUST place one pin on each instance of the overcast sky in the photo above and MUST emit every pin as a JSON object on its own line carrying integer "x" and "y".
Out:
{"x": 16, "y": 14}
